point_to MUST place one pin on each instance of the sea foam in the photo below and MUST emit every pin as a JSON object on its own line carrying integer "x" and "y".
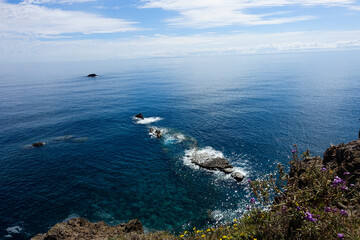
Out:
{"x": 147, "y": 120}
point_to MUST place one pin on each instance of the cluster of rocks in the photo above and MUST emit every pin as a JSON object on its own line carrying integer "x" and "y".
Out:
{"x": 156, "y": 132}
{"x": 217, "y": 163}
{"x": 82, "y": 229}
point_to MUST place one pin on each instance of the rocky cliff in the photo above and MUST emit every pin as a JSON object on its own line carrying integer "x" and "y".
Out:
{"x": 82, "y": 229}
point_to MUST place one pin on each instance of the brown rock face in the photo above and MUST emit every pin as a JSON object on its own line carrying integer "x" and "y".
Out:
{"x": 82, "y": 229}
{"x": 345, "y": 158}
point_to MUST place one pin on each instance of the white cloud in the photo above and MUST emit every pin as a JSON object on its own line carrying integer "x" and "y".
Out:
{"x": 171, "y": 46}
{"x": 215, "y": 13}
{"x": 34, "y": 20}
{"x": 55, "y": 1}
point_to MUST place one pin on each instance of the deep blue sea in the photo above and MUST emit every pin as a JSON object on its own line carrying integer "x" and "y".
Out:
{"x": 101, "y": 164}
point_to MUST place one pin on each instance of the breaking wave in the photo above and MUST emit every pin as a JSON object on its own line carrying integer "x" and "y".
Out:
{"x": 147, "y": 120}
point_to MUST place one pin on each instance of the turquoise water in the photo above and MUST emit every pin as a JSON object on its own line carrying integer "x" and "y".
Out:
{"x": 101, "y": 164}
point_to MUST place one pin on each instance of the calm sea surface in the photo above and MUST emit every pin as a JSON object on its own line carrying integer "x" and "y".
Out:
{"x": 101, "y": 164}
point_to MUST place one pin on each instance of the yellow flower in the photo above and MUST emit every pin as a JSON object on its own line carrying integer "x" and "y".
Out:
{"x": 181, "y": 236}
{"x": 235, "y": 220}
{"x": 185, "y": 232}
{"x": 235, "y": 225}
{"x": 203, "y": 235}
{"x": 255, "y": 238}
{"x": 208, "y": 230}
{"x": 194, "y": 228}
{"x": 235, "y": 228}
{"x": 296, "y": 204}
{"x": 242, "y": 234}
{"x": 224, "y": 237}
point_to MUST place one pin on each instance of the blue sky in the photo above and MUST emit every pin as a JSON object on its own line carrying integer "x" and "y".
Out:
{"x": 68, "y": 30}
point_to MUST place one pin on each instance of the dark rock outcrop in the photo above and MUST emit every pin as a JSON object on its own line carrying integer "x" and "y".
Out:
{"x": 139, "y": 115}
{"x": 92, "y": 75}
{"x": 212, "y": 163}
{"x": 82, "y": 229}
{"x": 217, "y": 163}
{"x": 38, "y": 144}
{"x": 345, "y": 158}
{"x": 156, "y": 132}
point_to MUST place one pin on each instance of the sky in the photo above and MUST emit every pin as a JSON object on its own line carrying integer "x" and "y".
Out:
{"x": 78, "y": 30}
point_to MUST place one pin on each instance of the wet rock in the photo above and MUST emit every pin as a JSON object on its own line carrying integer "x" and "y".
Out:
{"x": 38, "y": 144}
{"x": 212, "y": 163}
{"x": 237, "y": 176}
{"x": 92, "y": 75}
{"x": 158, "y": 133}
{"x": 82, "y": 229}
{"x": 228, "y": 170}
{"x": 139, "y": 115}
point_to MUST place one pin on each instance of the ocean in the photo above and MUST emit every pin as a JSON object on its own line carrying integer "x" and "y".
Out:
{"x": 100, "y": 163}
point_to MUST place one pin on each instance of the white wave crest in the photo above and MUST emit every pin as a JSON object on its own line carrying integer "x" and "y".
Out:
{"x": 14, "y": 229}
{"x": 174, "y": 138}
{"x": 147, "y": 120}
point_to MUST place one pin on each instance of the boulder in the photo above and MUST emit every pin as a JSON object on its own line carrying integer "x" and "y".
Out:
{"x": 158, "y": 133}
{"x": 92, "y": 75}
{"x": 38, "y": 144}
{"x": 212, "y": 163}
{"x": 82, "y": 229}
{"x": 228, "y": 170}
{"x": 237, "y": 176}
{"x": 139, "y": 115}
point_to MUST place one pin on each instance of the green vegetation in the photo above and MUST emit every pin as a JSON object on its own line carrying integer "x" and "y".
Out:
{"x": 311, "y": 202}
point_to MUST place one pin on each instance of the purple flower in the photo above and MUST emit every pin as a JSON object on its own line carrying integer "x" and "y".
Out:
{"x": 247, "y": 207}
{"x": 298, "y": 208}
{"x": 337, "y": 181}
{"x": 293, "y": 151}
{"x": 323, "y": 169}
{"x": 340, "y": 235}
{"x": 310, "y": 217}
{"x": 344, "y": 188}
{"x": 252, "y": 200}
{"x": 352, "y": 185}
{"x": 334, "y": 210}
{"x": 346, "y": 173}
{"x": 249, "y": 181}
{"x": 327, "y": 209}
{"x": 343, "y": 212}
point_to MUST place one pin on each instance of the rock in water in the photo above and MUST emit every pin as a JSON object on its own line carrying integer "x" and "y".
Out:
{"x": 228, "y": 170}
{"x": 158, "y": 133}
{"x": 38, "y": 144}
{"x": 92, "y": 75}
{"x": 237, "y": 176}
{"x": 139, "y": 115}
{"x": 212, "y": 163}
{"x": 82, "y": 229}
